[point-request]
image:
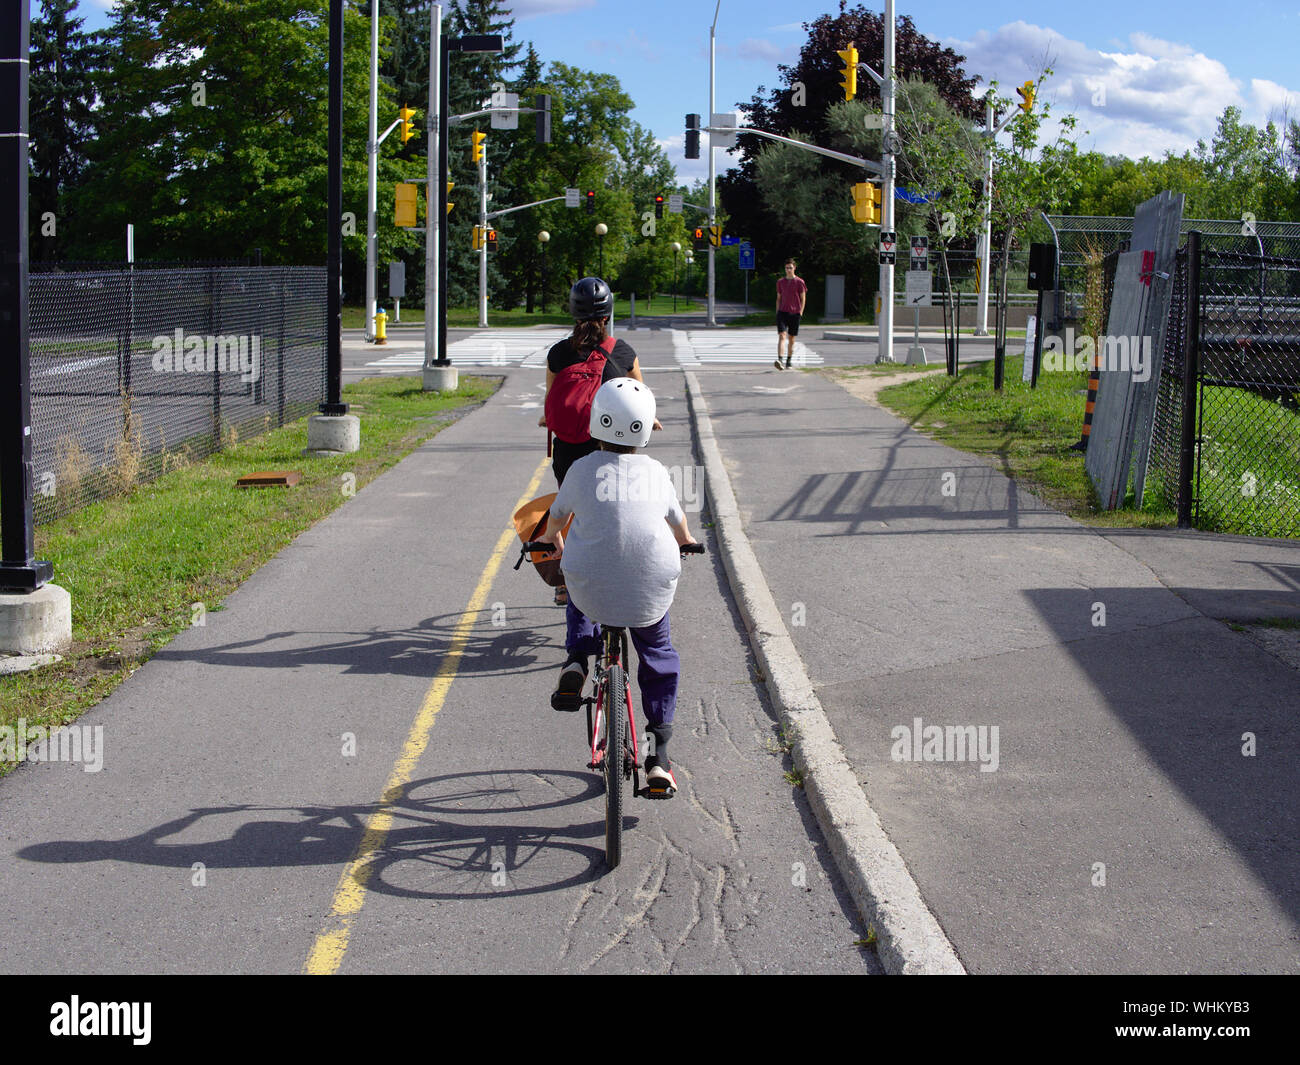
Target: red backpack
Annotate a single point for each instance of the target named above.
(568, 403)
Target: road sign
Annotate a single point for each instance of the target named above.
(886, 258)
(729, 119)
(572, 197)
(730, 240)
(508, 116)
(396, 280)
(918, 288)
(746, 256)
(675, 203)
(888, 243)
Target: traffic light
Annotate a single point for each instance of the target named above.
(659, 206)
(450, 185)
(1026, 92)
(692, 136)
(480, 147)
(491, 240)
(407, 199)
(850, 71)
(476, 238)
(405, 114)
(591, 202)
(715, 236)
(543, 118)
(700, 239)
(866, 203)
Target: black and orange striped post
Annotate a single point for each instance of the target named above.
(1094, 379)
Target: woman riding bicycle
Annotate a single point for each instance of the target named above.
(591, 302)
(621, 560)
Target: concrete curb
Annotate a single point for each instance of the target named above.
(909, 939)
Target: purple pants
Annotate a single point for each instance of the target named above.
(658, 666)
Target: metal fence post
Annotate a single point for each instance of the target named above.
(216, 365)
(279, 349)
(1191, 361)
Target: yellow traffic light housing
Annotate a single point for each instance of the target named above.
(480, 148)
(476, 238)
(850, 71)
(407, 209)
(866, 203)
(1026, 92)
(715, 236)
(450, 185)
(406, 114)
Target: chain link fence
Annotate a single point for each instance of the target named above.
(1226, 437)
(135, 371)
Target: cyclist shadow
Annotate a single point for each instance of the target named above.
(456, 836)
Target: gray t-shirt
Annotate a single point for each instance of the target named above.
(621, 560)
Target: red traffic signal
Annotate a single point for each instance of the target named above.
(659, 206)
(591, 202)
(700, 239)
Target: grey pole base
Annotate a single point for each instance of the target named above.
(36, 623)
(441, 378)
(916, 355)
(333, 434)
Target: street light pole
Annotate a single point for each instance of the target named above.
(885, 343)
(676, 249)
(601, 230)
(986, 230)
(713, 196)
(372, 185)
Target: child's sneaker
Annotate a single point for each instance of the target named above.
(659, 780)
(568, 692)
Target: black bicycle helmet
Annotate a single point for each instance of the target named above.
(591, 298)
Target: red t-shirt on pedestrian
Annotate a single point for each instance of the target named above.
(789, 294)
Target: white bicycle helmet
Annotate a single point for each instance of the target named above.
(623, 412)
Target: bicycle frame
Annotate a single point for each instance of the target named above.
(614, 653)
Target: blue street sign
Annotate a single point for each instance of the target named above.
(746, 256)
(730, 240)
(901, 192)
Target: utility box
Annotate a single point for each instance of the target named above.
(834, 298)
(397, 281)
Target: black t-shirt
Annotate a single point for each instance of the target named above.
(617, 364)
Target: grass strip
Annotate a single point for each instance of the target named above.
(1027, 432)
(144, 565)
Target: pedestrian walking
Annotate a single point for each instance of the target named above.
(791, 298)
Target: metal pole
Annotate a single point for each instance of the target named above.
(1191, 353)
(885, 326)
(19, 570)
(482, 231)
(985, 251)
(372, 154)
(444, 97)
(713, 195)
(334, 404)
(434, 218)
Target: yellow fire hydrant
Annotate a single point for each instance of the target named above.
(381, 321)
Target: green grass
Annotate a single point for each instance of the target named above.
(556, 313)
(134, 564)
(1027, 432)
(1250, 465)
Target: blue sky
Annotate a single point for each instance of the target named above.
(1163, 71)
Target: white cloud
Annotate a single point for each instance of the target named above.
(763, 51)
(1146, 96)
(631, 43)
(104, 5)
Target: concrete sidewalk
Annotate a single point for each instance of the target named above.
(1131, 808)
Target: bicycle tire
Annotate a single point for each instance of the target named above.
(615, 744)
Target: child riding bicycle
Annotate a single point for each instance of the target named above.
(621, 560)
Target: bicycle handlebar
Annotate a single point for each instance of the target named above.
(546, 545)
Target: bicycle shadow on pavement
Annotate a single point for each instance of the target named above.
(489, 650)
(462, 830)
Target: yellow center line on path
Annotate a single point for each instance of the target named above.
(332, 942)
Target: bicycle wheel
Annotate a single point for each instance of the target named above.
(615, 742)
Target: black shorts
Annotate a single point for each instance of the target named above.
(787, 322)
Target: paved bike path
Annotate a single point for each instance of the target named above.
(232, 799)
(1123, 828)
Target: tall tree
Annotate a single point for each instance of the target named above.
(64, 64)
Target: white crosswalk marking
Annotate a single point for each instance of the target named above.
(505, 347)
(754, 346)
